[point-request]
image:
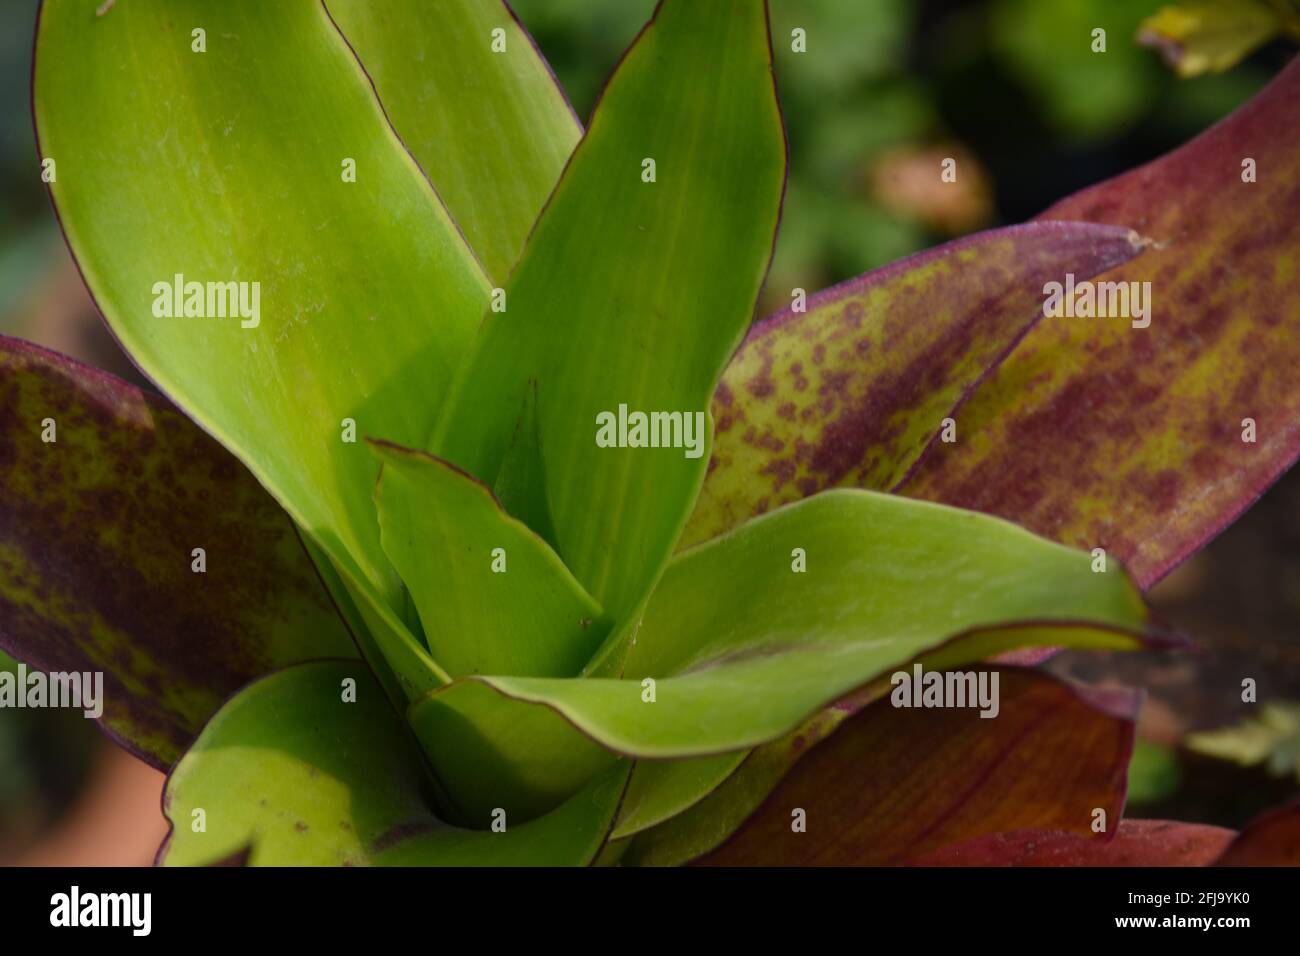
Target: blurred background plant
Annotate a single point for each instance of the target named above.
(883, 92)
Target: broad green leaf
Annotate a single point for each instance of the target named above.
(855, 390)
(1204, 36)
(309, 777)
(1137, 440)
(98, 532)
(891, 783)
(479, 110)
(743, 648)
(631, 294)
(492, 596)
(795, 577)
(231, 165)
(730, 704)
(491, 752)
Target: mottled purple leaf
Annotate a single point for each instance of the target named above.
(98, 529)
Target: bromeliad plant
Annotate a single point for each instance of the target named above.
(571, 652)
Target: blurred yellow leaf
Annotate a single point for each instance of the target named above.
(1201, 36)
(1273, 738)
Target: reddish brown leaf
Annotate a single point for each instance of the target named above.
(97, 530)
(1138, 843)
(1270, 840)
(892, 783)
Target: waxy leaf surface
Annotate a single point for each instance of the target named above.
(1271, 839)
(97, 532)
(634, 293)
(853, 391)
(661, 789)
(309, 777)
(892, 783)
(229, 166)
(480, 111)
(493, 597)
(1099, 434)
(490, 751)
(743, 648)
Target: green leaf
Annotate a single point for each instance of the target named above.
(1099, 434)
(308, 777)
(891, 784)
(743, 648)
(400, 663)
(854, 391)
(662, 789)
(521, 483)
(491, 751)
(492, 596)
(1209, 36)
(98, 529)
(492, 129)
(229, 165)
(634, 293)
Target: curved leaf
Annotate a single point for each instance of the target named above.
(228, 165)
(481, 112)
(490, 751)
(852, 392)
(307, 777)
(743, 648)
(1272, 839)
(662, 789)
(633, 290)
(890, 784)
(1098, 434)
(492, 596)
(97, 535)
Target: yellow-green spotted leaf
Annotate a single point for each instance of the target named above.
(1149, 429)
(134, 545)
(855, 390)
